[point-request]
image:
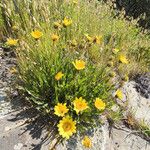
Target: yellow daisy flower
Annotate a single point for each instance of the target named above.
(74, 43)
(12, 42)
(13, 70)
(79, 64)
(125, 78)
(75, 1)
(119, 94)
(89, 38)
(36, 34)
(15, 28)
(59, 75)
(112, 74)
(123, 59)
(97, 39)
(80, 104)
(99, 104)
(57, 25)
(60, 109)
(115, 50)
(66, 127)
(55, 37)
(87, 142)
(67, 22)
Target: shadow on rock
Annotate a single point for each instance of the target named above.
(33, 130)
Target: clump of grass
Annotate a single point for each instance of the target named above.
(1, 24)
(68, 55)
(141, 127)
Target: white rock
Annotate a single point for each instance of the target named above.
(7, 128)
(139, 105)
(18, 146)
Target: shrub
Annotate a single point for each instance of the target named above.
(68, 54)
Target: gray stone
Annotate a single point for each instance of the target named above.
(137, 104)
(125, 139)
(16, 134)
(18, 146)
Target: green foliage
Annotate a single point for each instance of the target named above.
(1, 24)
(1, 21)
(92, 36)
(92, 18)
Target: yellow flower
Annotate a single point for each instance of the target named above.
(66, 127)
(67, 22)
(79, 64)
(13, 70)
(119, 94)
(99, 104)
(97, 39)
(60, 109)
(57, 25)
(11, 42)
(36, 34)
(59, 75)
(125, 78)
(87, 142)
(112, 74)
(123, 59)
(80, 104)
(73, 43)
(115, 50)
(15, 28)
(55, 37)
(75, 1)
(89, 38)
